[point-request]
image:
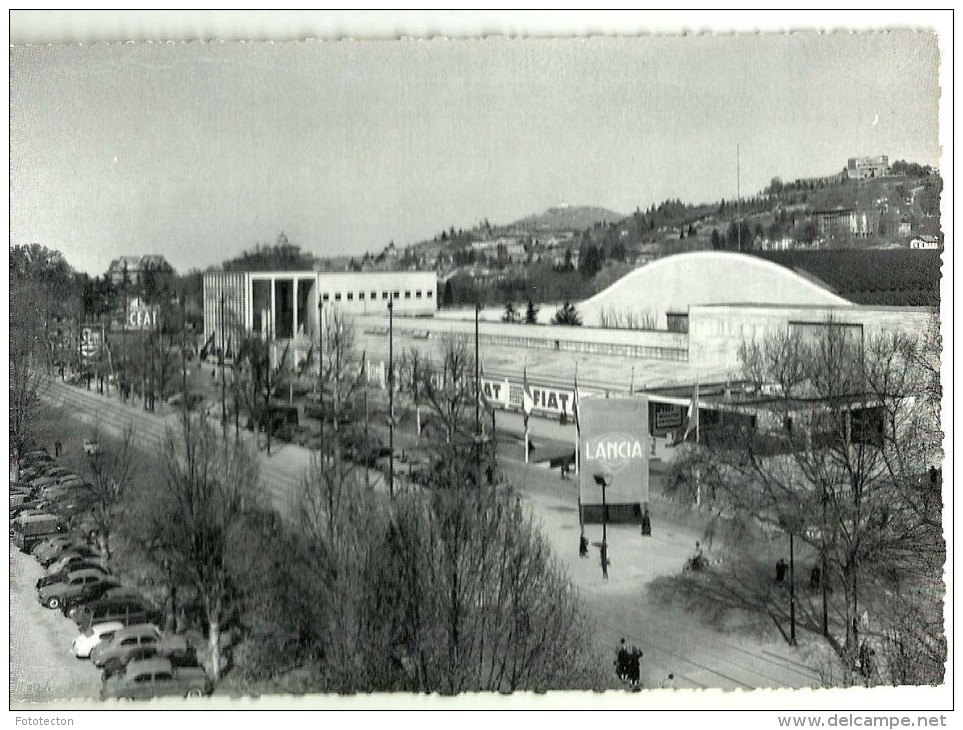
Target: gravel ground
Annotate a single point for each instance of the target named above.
(42, 666)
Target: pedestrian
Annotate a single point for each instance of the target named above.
(814, 577)
(669, 682)
(635, 669)
(622, 661)
(583, 546)
(781, 568)
(646, 524)
(57, 447)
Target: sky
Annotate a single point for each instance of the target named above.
(198, 151)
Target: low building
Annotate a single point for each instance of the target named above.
(846, 223)
(925, 243)
(284, 305)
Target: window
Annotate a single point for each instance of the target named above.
(129, 641)
(407, 295)
(374, 295)
(142, 678)
(325, 296)
(430, 293)
(397, 294)
(418, 294)
(163, 677)
(361, 295)
(148, 639)
(350, 296)
(384, 295)
(337, 296)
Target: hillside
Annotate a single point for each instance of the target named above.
(886, 277)
(568, 217)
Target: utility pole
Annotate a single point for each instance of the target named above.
(184, 365)
(321, 369)
(391, 398)
(223, 382)
(367, 456)
(738, 202)
(792, 591)
(477, 404)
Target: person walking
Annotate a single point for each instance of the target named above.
(814, 577)
(583, 546)
(781, 569)
(635, 668)
(57, 447)
(669, 682)
(622, 661)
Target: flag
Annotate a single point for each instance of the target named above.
(692, 420)
(575, 401)
(482, 399)
(528, 402)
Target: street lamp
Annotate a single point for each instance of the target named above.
(391, 397)
(604, 480)
(792, 524)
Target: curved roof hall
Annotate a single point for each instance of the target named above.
(675, 283)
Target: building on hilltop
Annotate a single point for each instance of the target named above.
(135, 270)
(861, 168)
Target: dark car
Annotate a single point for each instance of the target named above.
(156, 677)
(179, 657)
(128, 611)
(110, 590)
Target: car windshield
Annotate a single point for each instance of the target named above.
(89, 632)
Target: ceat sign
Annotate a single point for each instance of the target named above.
(142, 318)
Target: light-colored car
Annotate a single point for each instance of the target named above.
(75, 582)
(91, 447)
(86, 641)
(127, 640)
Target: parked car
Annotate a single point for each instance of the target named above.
(54, 576)
(178, 658)
(91, 447)
(141, 635)
(73, 584)
(110, 589)
(92, 636)
(81, 551)
(28, 530)
(37, 456)
(128, 611)
(66, 560)
(57, 471)
(156, 677)
(44, 548)
(44, 481)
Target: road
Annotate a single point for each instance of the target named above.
(672, 641)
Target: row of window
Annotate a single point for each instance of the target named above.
(374, 295)
(648, 352)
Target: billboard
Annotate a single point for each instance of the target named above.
(90, 342)
(614, 450)
(142, 318)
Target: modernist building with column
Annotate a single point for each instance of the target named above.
(284, 305)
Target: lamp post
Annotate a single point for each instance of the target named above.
(603, 480)
(223, 382)
(477, 404)
(321, 370)
(391, 398)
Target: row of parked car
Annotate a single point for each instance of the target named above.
(118, 627)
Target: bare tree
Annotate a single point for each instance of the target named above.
(840, 465)
(199, 515)
(27, 364)
(109, 475)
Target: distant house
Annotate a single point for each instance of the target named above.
(905, 227)
(925, 243)
(846, 222)
(861, 168)
(136, 270)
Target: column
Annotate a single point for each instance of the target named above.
(294, 302)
